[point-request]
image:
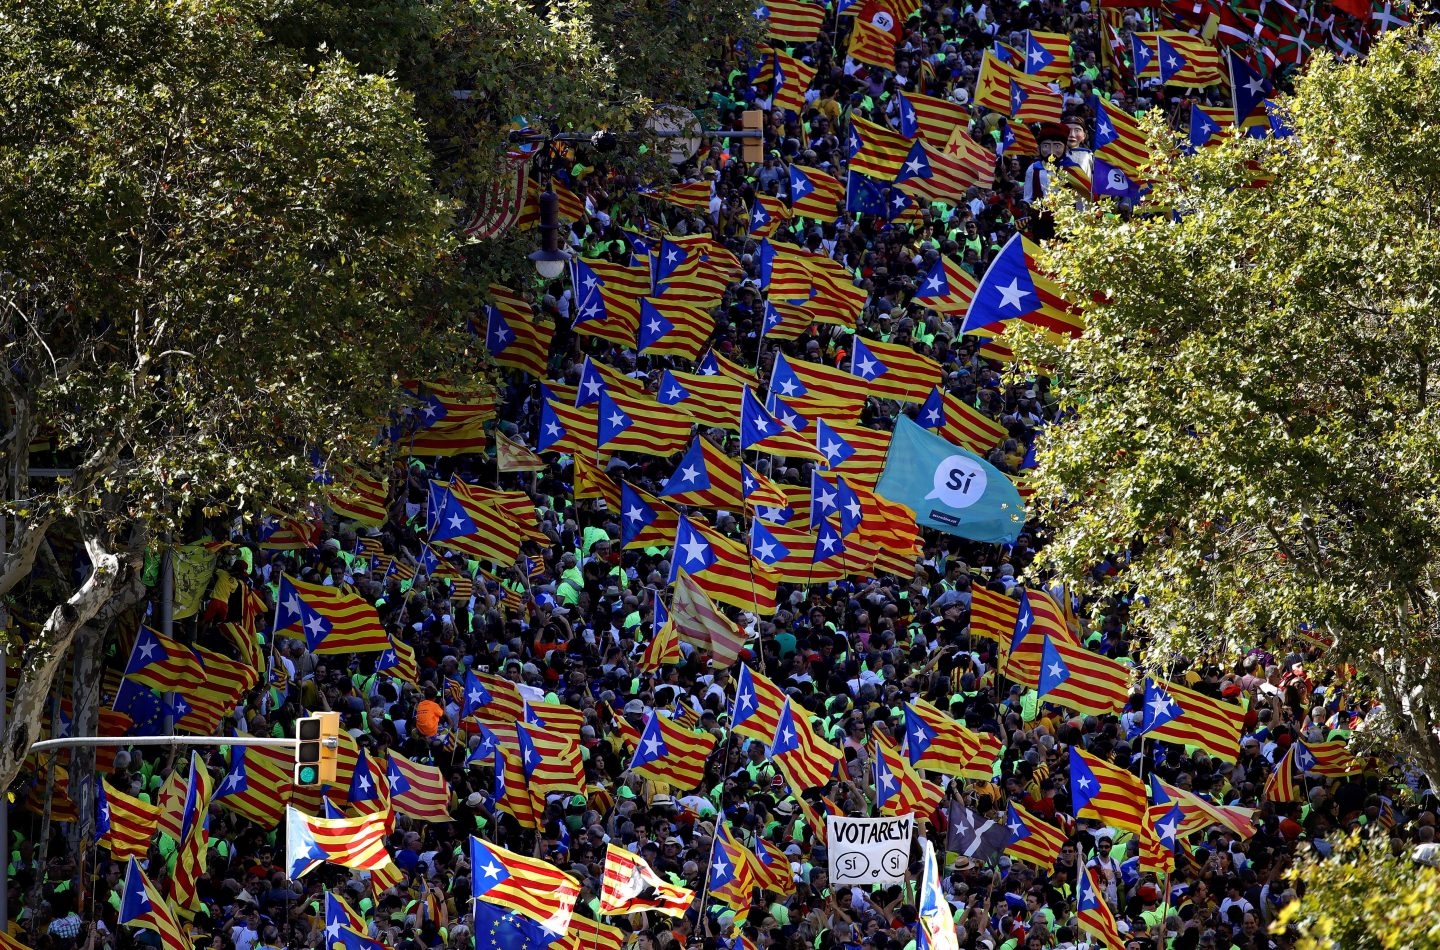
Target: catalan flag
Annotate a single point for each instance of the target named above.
(639, 425)
(899, 789)
(124, 824)
(852, 450)
(874, 150)
(566, 429)
(722, 569)
(670, 754)
(892, 370)
(809, 760)
(280, 533)
(535, 888)
(628, 885)
(790, 553)
(682, 270)
(791, 79)
(1082, 680)
(1093, 914)
(494, 699)
(755, 711)
(360, 498)
(1281, 783)
(700, 622)
(959, 423)
(1014, 289)
(673, 328)
(1037, 617)
(815, 194)
(1176, 57)
(706, 478)
(514, 456)
(587, 934)
(664, 646)
(566, 719)
(1119, 141)
(731, 872)
(1249, 92)
(418, 790)
(1330, 759)
(772, 868)
(712, 401)
(258, 784)
(935, 742)
(760, 491)
(1010, 92)
(141, 905)
(1031, 840)
(992, 615)
(793, 21)
(512, 796)
(357, 843)
(1212, 725)
(1047, 57)
(930, 118)
(783, 321)
(160, 662)
(606, 299)
(467, 521)
(819, 385)
(331, 621)
(645, 520)
(194, 847)
(946, 172)
(1105, 792)
(871, 45)
(549, 759)
(515, 336)
(762, 432)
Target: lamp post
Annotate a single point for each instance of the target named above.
(549, 260)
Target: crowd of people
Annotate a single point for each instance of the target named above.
(570, 620)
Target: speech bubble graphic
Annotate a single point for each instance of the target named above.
(958, 482)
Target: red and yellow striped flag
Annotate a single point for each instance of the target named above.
(549, 759)
(587, 934)
(1082, 680)
(875, 150)
(992, 615)
(330, 620)
(671, 327)
(516, 335)
(667, 753)
(1212, 725)
(258, 785)
(809, 760)
(910, 794)
(720, 568)
(712, 401)
(705, 478)
(418, 790)
(566, 429)
(1105, 792)
(1047, 57)
(935, 742)
(639, 424)
(360, 497)
(1031, 839)
(793, 21)
(629, 885)
(357, 843)
(960, 423)
(1012, 93)
(535, 888)
(892, 370)
(815, 193)
(125, 825)
(871, 45)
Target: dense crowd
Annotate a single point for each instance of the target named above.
(568, 623)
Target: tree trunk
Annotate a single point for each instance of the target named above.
(45, 653)
(1412, 702)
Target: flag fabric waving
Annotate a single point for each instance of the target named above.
(123, 823)
(893, 371)
(629, 885)
(667, 753)
(535, 888)
(332, 621)
(1013, 289)
(418, 790)
(1198, 720)
(1031, 839)
(1105, 792)
(1094, 915)
(141, 905)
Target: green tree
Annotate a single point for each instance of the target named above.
(1365, 897)
(217, 259)
(1255, 396)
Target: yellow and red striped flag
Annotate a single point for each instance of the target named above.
(721, 569)
(282, 533)
(1177, 58)
(1280, 784)
(694, 195)
(1330, 759)
(357, 843)
(418, 790)
(792, 78)
(712, 401)
(1047, 57)
(142, 905)
(673, 328)
(1105, 792)
(793, 21)
(1037, 617)
(549, 759)
(893, 370)
(592, 481)
(705, 477)
(566, 429)
(160, 662)
(535, 888)
(858, 453)
(1031, 839)
(512, 795)
(330, 620)
(566, 719)
(1119, 140)
(875, 150)
(1093, 914)
(766, 433)
(731, 872)
(931, 118)
(587, 934)
(1012, 93)
(645, 520)
(701, 623)
(992, 615)
(570, 207)
(664, 646)
(935, 742)
(500, 702)
(1080, 679)
(946, 172)
(608, 299)
(258, 785)
(361, 497)
(871, 45)
(1212, 725)
(124, 824)
(514, 456)
(799, 382)
(629, 885)
(789, 551)
(755, 711)
(639, 424)
(772, 869)
(516, 335)
(959, 423)
(667, 753)
(171, 800)
(809, 760)
(194, 848)
(814, 193)
(899, 789)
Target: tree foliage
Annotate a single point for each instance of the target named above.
(1256, 392)
(1365, 897)
(217, 260)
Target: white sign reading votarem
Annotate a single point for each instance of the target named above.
(868, 850)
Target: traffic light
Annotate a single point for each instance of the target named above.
(752, 149)
(317, 751)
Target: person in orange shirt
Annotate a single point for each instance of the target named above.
(428, 714)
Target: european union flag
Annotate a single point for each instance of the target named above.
(143, 706)
(950, 489)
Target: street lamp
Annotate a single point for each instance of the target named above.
(549, 260)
